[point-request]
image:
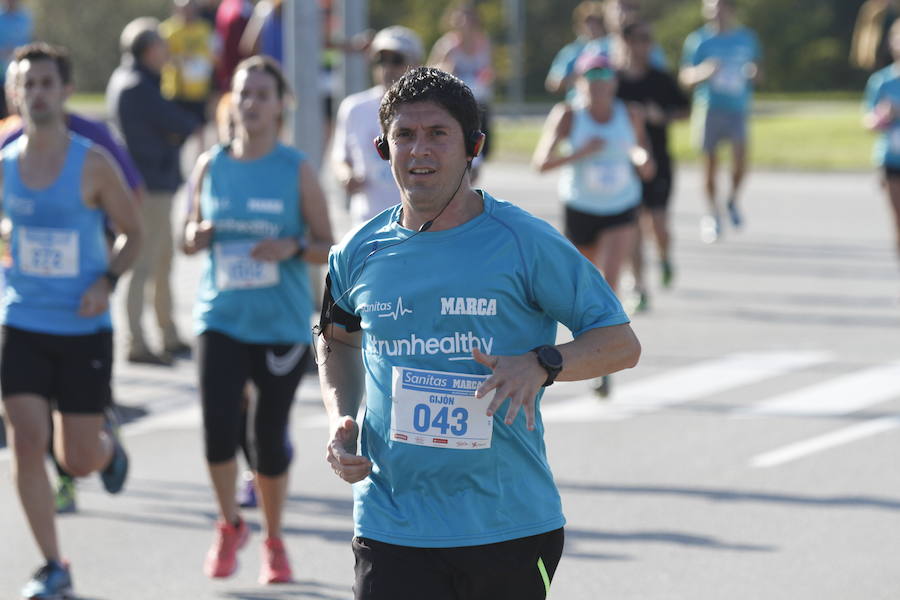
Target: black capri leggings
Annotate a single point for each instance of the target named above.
(275, 369)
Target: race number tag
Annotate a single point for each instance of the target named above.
(729, 80)
(48, 252)
(235, 270)
(439, 409)
(607, 178)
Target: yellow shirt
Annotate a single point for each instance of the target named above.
(188, 75)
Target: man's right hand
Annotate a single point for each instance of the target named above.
(353, 184)
(341, 452)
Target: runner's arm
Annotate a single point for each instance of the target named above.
(342, 381)
(640, 154)
(556, 129)
(118, 202)
(196, 233)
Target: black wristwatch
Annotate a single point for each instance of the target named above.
(552, 361)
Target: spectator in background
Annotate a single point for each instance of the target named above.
(657, 95)
(465, 51)
(154, 129)
(231, 20)
(720, 63)
(363, 175)
(16, 29)
(587, 21)
(187, 76)
(868, 50)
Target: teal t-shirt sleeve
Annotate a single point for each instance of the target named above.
(690, 52)
(338, 272)
(564, 62)
(658, 58)
(568, 288)
(873, 92)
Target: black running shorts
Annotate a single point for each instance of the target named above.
(583, 228)
(519, 569)
(74, 371)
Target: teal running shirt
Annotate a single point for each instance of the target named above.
(885, 85)
(443, 475)
(248, 201)
(57, 249)
(729, 89)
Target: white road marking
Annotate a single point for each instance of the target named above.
(834, 397)
(824, 442)
(682, 385)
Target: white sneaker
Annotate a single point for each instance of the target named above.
(710, 229)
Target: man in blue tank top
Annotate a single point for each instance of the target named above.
(58, 190)
(443, 311)
(720, 63)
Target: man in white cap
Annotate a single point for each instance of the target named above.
(358, 168)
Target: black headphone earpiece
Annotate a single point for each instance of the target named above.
(474, 144)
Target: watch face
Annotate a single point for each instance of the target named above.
(551, 357)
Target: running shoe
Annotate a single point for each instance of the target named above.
(65, 494)
(246, 495)
(275, 567)
(145, 357)
(115, 473)
(710, 229)
(735, 214)
(603, 386)
(178, 349)
(221, 560)
(51, 581)
(667, 273)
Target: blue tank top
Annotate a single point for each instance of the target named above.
(249, 201)
(57, 248)
(604, 183)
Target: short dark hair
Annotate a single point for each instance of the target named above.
(427, 84)
(44, 51)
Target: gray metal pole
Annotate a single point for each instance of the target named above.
(302, 24)
(355, 19)
(515, 18)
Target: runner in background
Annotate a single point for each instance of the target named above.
(587, 21)
(721, 63)
(57, 354)
(882, 106)
(657, 95)
(606, 158)
(260, 215)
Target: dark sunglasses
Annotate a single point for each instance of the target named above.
(390, 59)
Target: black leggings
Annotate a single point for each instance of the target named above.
(275, 369)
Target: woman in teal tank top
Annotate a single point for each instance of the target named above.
(608, 156)
(258, 212)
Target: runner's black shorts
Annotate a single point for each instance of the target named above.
(519, 569)
(891, 172)
(73, 371)
(583, 228)
(657, 191)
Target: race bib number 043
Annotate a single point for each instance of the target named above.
(440, 410)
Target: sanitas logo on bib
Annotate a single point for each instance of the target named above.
(483, 307)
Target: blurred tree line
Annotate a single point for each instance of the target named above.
(806, 42)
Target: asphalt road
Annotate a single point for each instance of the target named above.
(751, 454)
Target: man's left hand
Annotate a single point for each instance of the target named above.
(515, 377)
(274, 250)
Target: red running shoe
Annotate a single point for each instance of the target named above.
(275, 566)
(221, 560)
